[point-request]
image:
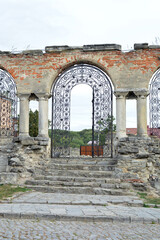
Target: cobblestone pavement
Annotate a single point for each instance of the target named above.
(60, 230)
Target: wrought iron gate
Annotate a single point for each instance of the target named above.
(102, 107)
(155, 105)
(8, 105)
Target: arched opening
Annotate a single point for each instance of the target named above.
(81, 107)
(81, 118)
(8, 105)
(101, 108)
(154, 104)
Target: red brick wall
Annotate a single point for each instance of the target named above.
(37, 72)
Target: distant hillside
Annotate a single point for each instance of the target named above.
(76, 138)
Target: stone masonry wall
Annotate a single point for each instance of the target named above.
(28, 157)
(141, 157)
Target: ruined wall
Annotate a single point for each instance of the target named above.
(139, 160)
(35, 71)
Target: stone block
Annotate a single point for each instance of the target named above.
(154, 46)
(125, 139)
(156, 150)
(101, 47)
(32, 52)
(139, 186)
(7, 178)
(16, 170)
(50, 49)
(133, 150)
(36, 147)
(138, 46)
(28, 141)
(44, 143)
(15, 162)
(16, 139)
(3, 168)
(142, 155)
(149, 164)
(41, 138)
(5, 52)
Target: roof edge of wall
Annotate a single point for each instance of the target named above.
(84, 48)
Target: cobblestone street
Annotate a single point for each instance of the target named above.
(55, 230)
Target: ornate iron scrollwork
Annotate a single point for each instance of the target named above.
(155, 105)
(61, 98)
(8, 105)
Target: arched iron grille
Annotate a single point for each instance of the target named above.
(61, 98)
(155, 105)
(8, 105)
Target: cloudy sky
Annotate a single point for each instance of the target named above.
(34, 24)
(37, 23)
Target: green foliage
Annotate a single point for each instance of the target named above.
(7, 190)
(142, 195)
(33, 123)
(105, 127)
(149, 200)
(73, 138)
(76, 139)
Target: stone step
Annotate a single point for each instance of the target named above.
(81, 161)
(6, 139)
(79, 184)
(81, 173)
(6, 178)
(77, 179)
(81, 167)
(81, 190)
(5, 148)
(3, 159)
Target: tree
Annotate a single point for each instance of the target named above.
(33, 123)
(105, 127)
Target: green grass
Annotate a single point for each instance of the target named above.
(142, 195)
(7, 190)
(148, 199)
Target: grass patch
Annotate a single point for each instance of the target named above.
(149, 199)
(142, 195)
(7, 190)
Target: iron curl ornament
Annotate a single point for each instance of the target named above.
(154, 104)
(61, 100)
(8, 105)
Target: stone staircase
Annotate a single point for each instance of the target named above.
(81, 176)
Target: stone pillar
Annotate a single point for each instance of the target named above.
(120, 114)
(24, 115)
(142, 113)
(43, 115)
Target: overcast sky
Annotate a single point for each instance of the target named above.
(34, 24)
(37, 23)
